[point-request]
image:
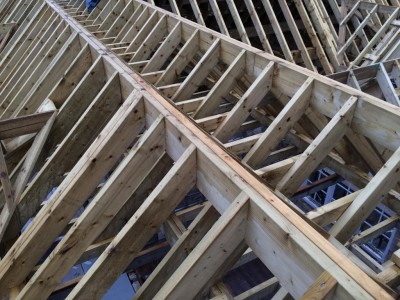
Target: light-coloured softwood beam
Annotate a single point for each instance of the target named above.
(296, 34)
(181, 60)
(162, 54)
(199, 73)
(271, 225)
(243, 108)
(126, 13)
(322, 288)
(133, 25)
(290, 114)
(16, 48)
(91, 93)
(329, 213)
(173, 228)
(152, 41)
(218, 17)
(32, 156)
(324, 28)
(386, 85)
(32, 96)
(258, 25)
(375, 230)
(344, 17)
(368, 199)
(107, 149)
(318, 149)
(24, 174)
(174, 7)
(282, 294)
(278, 30)
(197, 13)
(375, 39)
(238, 21)
(149, 217)
(189, 239)
(144, 32)
(326, 64)
(14, 73)
(263, 290)
(111, 198)
(357, 31)
(7, 190)
(209, 255)
(220, 292)
(221, 87)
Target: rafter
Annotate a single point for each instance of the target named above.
(149, 106)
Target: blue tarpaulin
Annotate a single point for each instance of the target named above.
(90, 4)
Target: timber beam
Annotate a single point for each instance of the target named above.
(132, 91)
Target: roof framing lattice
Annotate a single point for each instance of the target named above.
(151, 106)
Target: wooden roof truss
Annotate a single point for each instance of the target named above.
(382, 45)
(326, 34)
(381, 80)
(249, 20)
(150, 106)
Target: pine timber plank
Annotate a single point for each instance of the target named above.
(216, 246)
(221, 88)
(253, 96)
(280, 126)
(149, 216)
(111, 147)
(330, 110)
(323, 288)
(382, 182)
(82, 234)
(23, 125)
(69, 128)
(25, 173)
(319, 148)
(189, 239)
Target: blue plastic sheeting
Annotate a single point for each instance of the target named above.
(90, 4)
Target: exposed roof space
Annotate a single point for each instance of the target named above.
(143, 150)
